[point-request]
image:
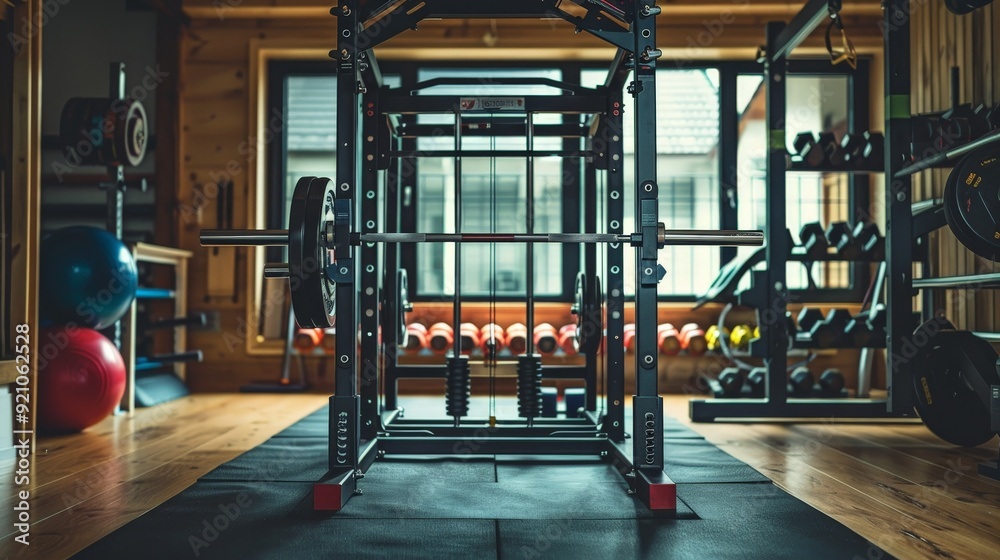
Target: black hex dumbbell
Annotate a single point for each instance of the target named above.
(813, 239)
(832, 383)
(802, 142)
(840, 236)
(731, 382)
(808, 318)
(852, 146)
(830, 331)
(867, 329)
(801, 382)
(873, 152)
(819, 154)
(868, 241)
(757, 382)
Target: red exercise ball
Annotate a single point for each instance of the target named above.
(81, 378)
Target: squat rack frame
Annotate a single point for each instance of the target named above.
(359, 430)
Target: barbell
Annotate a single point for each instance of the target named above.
(311, 238)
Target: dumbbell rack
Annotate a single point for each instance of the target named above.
(769, 291)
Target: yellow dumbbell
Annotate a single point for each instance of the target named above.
(713, 335)
(740, 337)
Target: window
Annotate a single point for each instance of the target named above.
(690, 157)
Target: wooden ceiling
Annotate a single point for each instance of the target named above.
(688, 28)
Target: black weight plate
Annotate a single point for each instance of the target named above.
(972, 201)
(948, 370)
(589, 318)
(313, 293)
(579, 309)
(402, 302)
(130, 135)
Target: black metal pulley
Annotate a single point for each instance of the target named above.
(952, 375)
(314, 294)
(972, 201)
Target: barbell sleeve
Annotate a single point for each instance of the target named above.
(243, 237)
(277, 270)
(723, 238)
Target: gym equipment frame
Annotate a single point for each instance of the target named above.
(336, 277)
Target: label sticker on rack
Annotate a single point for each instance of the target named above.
(492, 104)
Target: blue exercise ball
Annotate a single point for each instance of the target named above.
(86, 277)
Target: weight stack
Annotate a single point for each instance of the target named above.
(529, 386)
(458, 386)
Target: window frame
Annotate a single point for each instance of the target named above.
(859, 195)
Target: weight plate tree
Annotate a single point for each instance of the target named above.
(972, 201)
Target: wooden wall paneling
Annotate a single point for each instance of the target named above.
(213, 80)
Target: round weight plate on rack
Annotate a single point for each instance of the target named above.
(402, 306)
(951, 379)
(313, 293)
(130, 134)
(972, 201)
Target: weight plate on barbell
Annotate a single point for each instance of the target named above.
(972, 201)
(588, 308)
(402, 303)
(314, 295)
(951, 378)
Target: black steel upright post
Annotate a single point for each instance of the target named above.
(898, 200)
(613, 137)
(115, 194)
(369, 292)
(647, 451)
(345, 409)
(588, 203)
(729, 133)
(775, 332)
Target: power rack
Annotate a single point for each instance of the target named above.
(337, 277)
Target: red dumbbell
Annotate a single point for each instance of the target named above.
(517, 338)
(668, 340)
(546, 339)
(567, 338)
(491, 340)
(440, 337)
(306, 340)
(692, 339)
(416, 338)
(469, 334)
(629, 337)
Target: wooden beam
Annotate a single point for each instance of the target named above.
(26, 175)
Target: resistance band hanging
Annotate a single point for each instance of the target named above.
(846, 52)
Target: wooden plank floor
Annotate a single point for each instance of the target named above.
(896, 485)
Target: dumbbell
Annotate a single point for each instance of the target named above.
(713, 337)
(692, 339)
(306, 340)
(818, 154)
(873, 152)
(667, 340)
(813, 239)
(802, 142)
(868, 328)
(840, 236)
(925, 130)
(808, 317)
(831, 330)
(469, 334)
(731, 382)
(416, 338)
(550, 402)
(629, 337)
(867, 241)
(831, 383)
(517, 338)
(546, 339)
(757, 382)
(801, 382)
(576, 400)
(740, 337)
(852, 147)
(441, 337)
(491, 340)
(567, 338)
